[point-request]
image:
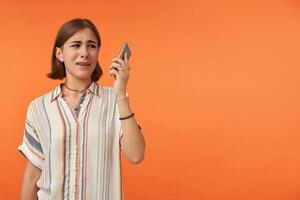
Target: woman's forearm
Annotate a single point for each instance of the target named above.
(133, 143)
(29, 187)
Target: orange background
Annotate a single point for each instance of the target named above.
(214, 84)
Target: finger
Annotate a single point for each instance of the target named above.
(118, 67)
(122, 62)
(113, 73)
(115, 66)
(119, 60)
(117, 71)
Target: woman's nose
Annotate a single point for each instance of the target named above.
(84, 52)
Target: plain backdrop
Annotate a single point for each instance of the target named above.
(214, 84)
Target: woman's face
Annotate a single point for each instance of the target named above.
(79, 54)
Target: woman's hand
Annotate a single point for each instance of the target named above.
(120, 70)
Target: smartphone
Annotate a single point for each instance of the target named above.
(125, 49)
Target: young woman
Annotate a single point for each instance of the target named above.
(74, 135)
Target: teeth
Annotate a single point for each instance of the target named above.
(84, 64)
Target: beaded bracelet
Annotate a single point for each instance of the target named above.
(122, 118)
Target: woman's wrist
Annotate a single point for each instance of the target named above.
(121, 97)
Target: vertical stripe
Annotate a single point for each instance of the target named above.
(77, 159)
(85, 142)
(71, 149)
(50, 142)
(99, 153)
(104, 153)
(63, 149)
(67, 150)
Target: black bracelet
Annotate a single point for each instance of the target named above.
(140, 127)
(122, 118)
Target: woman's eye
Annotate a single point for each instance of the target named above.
(75, 45)
(92, 46)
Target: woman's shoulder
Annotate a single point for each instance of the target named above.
(42, 99)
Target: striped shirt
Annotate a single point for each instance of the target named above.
(78, 152)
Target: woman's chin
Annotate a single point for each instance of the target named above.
(83, 76)
(80, 74)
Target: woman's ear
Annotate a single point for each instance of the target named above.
(59, 54)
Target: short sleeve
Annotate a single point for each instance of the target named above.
(31, 147)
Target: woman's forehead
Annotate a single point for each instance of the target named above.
(83, 35)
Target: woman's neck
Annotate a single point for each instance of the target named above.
(78, 84)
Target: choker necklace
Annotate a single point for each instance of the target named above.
(80, 91)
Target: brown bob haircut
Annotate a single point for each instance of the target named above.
(67, 30)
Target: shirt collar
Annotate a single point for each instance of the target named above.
(94, 88)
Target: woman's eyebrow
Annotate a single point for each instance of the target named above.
(92, 41)
(75, 41)
(78, 41)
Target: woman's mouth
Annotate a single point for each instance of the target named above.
(85, 64)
